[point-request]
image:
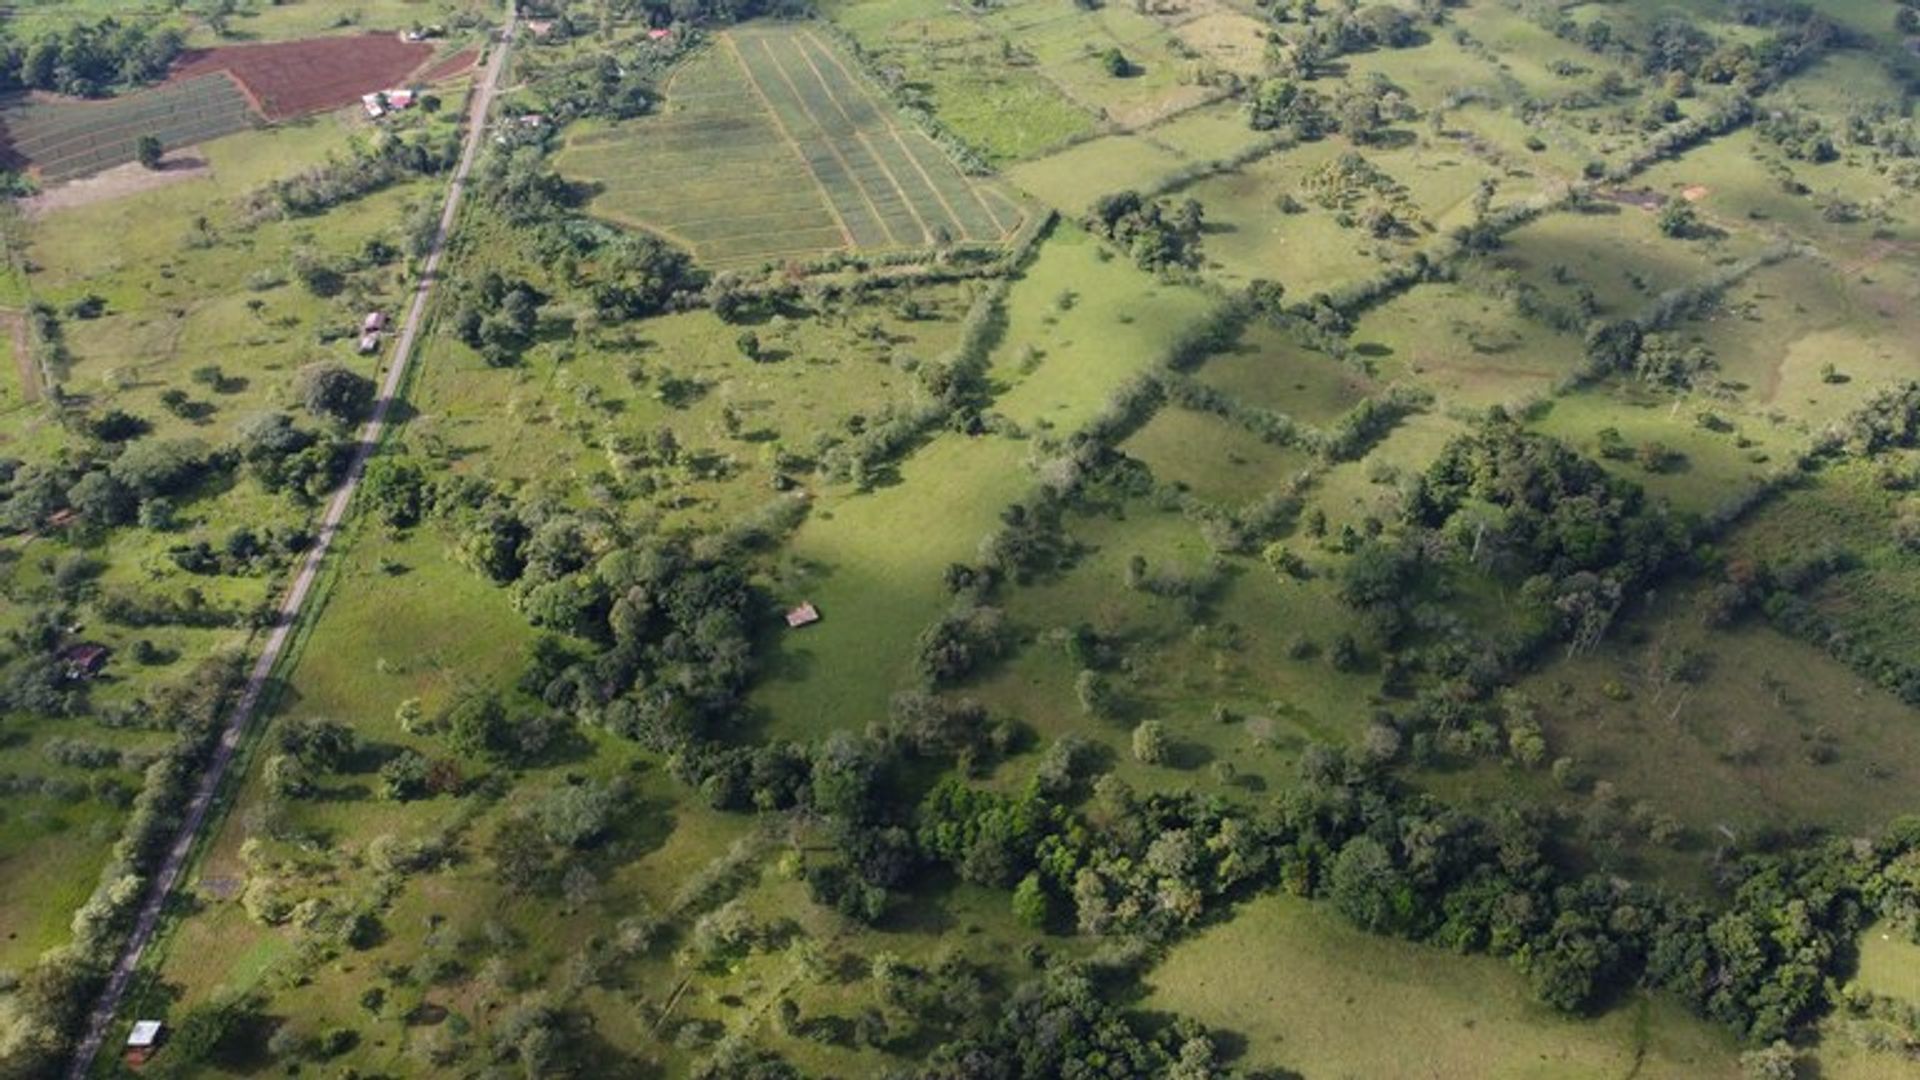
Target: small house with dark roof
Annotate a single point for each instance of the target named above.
(85, 659)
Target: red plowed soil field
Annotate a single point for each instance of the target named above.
(457, 64)
(291, 78)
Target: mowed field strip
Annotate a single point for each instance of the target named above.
(770, 148)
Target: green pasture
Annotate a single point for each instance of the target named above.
(174, 269)
(1254, 644)
(587, 406)
(1771, 735)
(310, 18)
(993, 100)
(1208, 133)
(1222, 34)
(250, 22)
(1065, 43)
(1776, 333)
(1080, 323)
(1072, 179)
(1270, 370)
(1738, 172)
(872, 565)
(1214, 458)
(1615, 251)
(1248, 236)
(1877, 601)
(1312, 994)
(1467, 346)
(1351, 491)
(1712, 466)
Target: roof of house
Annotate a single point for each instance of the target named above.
(144, 1033)
(63, 517)
(369, 341)
(374, 320)
(804, 614)
(87, 652)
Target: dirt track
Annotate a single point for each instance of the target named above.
(114, 183)
(167, 875)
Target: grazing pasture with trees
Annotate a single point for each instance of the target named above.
(1020, 538)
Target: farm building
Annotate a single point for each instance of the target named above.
(143, 1040)
(375, 322)
(84, 660)
(804, 615)
(659, 35)
(62, 518)
(369, 342)
(382, 102)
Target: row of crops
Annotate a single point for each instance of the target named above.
(68, 139)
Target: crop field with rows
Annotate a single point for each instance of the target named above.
(771, 149)
(66, 139)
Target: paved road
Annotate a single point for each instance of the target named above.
(288, 616)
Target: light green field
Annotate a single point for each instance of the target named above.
(1270, 370)
(1714, 468)
(1876, 601)
(1178, 667)
(1250, 237)
(1215, 459)
(1465, 346)
(1059, 364)
(306, 18)
(1120, 162)
(1778, 330)
(1207, 133)
(567, 409)
(772, 148)
(1302, 986)
(1066, 42)
(1730, 754)
(872, 564)
(1003, 107)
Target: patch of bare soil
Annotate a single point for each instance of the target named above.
(114, 183)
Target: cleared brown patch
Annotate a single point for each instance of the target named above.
(1695, 192)
(291, 78)
(458, 64)
(114, 183)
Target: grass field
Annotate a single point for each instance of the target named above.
(771, 148)
(67, 139)
(1300, 985)
(1183, 584)
(998, 103)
